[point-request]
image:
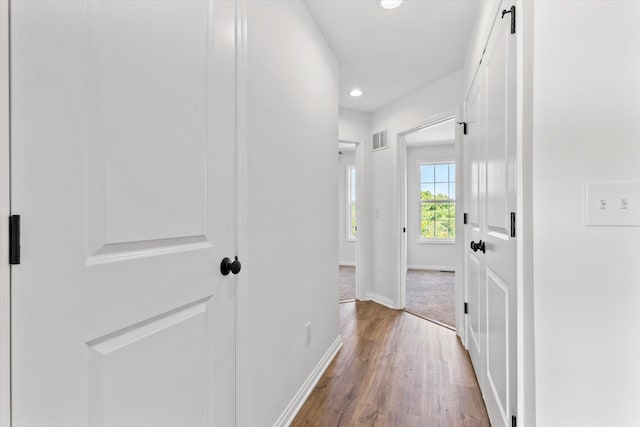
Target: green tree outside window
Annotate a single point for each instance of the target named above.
(438, 201)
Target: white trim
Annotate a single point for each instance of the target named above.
(423, 241)
(242, 237)
(525, 339)
(461, 284)
(5, 211)
(303, 393)
(379, 299)
(347, 263)
(432, 267)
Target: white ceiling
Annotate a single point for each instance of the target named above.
(391, 53)
(442, 133)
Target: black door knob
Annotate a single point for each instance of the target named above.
(480, 246)
(227, 266)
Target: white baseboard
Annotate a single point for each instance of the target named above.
(347, 263)
(432, 267)
(381, 300)
(301, 396)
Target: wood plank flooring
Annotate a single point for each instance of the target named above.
(395, 369)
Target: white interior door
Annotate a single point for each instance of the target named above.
(474, 167)
(123, 171)
(491, 264)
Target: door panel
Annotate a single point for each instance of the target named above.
(492, 141)
(123, 118)
(166, 116)
(474, 301)
(497, 340)
(496, 142)
(134, 366)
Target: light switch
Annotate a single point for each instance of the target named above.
(613, 203)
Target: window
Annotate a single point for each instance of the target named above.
(351, 203)
(438, 201)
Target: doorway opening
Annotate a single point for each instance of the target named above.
(348, 220)
(428, 250)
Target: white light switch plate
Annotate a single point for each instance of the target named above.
(613, 203)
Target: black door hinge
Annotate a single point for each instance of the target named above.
(466, 308)
(464, 127)
(512, 11)
(14, 239)
(404, 229)
(513, 224)
(513, 421)
(465, 218)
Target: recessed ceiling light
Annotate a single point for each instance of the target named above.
(390, 4)
(355, 92)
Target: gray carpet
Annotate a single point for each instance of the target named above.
(347, 282)
(431, 294)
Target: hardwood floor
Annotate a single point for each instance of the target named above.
(395, 369)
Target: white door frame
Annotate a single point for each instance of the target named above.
(525, 343)
(401, 214)
(461, 283)
(360, 215)
(5, 211)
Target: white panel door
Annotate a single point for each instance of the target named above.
(123, 171)
(474, 166)
(491, 247)
(499, 276)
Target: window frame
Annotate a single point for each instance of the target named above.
(434, 240)
(350, 237)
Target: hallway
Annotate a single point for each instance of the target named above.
(395, 369)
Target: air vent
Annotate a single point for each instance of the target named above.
(380, 141)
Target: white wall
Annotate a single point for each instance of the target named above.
(354, 125)
(420, 254)
(292, 252)
(346, 248)
(407, 113)
(586, 279)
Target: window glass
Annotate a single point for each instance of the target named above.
(438, 201)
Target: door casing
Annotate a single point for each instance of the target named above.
(360, 216)
(402, 212)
